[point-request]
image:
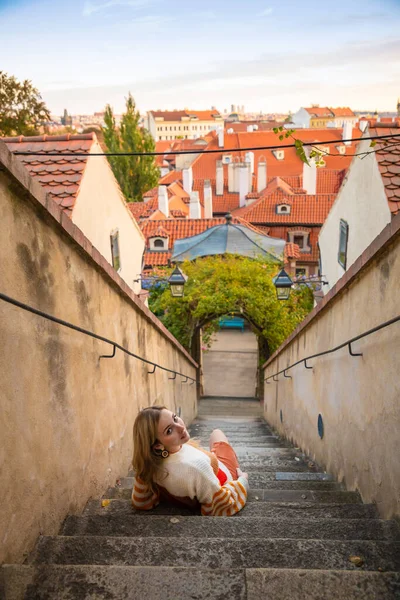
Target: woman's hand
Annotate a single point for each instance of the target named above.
(241, 474)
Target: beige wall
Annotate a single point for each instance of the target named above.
(66, 416)
(100, 209)
(358, 397)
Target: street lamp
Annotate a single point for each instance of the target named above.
(176, 282)
(283, 285)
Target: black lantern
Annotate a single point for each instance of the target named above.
(176, 282)
(283, 285)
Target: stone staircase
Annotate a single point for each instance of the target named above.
(301, 536)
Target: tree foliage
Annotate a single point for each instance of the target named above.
(230, 285)
(135, 174)
(21, 107)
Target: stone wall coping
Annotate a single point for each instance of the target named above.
(41, 199)
(377, 246)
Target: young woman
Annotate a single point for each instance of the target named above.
(170, 467)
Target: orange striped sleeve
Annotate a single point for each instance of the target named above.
(227, 501)
(142, 497)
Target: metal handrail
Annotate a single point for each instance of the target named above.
(93, 335)
(348, 343)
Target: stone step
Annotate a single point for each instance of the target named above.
(89, 582)
(260, 480)
(272, 469)
(297, 584)
(268, 495)
(246, 527)
(216, 552)
(276, 510)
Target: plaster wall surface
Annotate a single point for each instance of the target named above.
(362, 203)
(66, 415)
(358, 397)
(101, 210)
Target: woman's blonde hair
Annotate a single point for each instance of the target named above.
(145, 462)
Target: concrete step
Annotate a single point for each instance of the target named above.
(268, 495)
(246, 527)
(276, 510)
(216, 552)
(261, 481)
(89, 582)
(297, 584)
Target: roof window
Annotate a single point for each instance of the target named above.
(283, 209)
(279, 154)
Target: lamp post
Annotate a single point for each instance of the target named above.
(284, 283)
(177, 282)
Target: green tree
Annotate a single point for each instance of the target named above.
(21, 108)
(135, 174)
(230, 285)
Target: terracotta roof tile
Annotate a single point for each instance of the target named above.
(388, 157)
(60, 176)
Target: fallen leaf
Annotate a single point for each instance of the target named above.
(105, 503)
(255, 497)
(304, 496)
(297, 458)
(174, 520)
(356, 560)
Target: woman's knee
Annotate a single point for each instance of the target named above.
(217, 436)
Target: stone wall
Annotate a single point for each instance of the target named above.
(358, 397)
(66, 415)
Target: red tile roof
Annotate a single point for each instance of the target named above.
(60, 176)
(344, 111)
(242, 126)
(176, 115)
(204, 166)
(319, 111)
(388, 158)
(305, 209)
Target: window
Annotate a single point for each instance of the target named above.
(158, 244)
(299, 240)
(343, 239)
(282, 209)
(301, 272)
(115, 255)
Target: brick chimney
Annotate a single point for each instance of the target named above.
(208, 203)
(219, 178)
(187, 175)
(163, 201)
(262, 176)
(194, 206)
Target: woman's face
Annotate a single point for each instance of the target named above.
(172, 432)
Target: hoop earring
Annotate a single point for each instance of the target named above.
(165, 453)
(161, 453)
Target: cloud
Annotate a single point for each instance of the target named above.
(90, 8)
(266, 12)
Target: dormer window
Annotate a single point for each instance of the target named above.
(283, 209)
(226, 159)
(158, 244)
(279, 154)
(341, 149)
(301, 238)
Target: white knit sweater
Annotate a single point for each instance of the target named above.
(188, 473)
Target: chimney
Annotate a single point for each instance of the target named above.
(187, 175)
(219, 178)
(163, 201)
(347, 132)
(208, 203)
(363, 124)
(231, 177)
(250, 159)
(249, 128)
(164, 171)
(262, 176)
(243, 183)
(310, 177)
(220, 137)
(194, 206)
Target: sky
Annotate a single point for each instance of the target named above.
(268, 55)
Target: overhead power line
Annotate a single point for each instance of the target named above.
(215, 151)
